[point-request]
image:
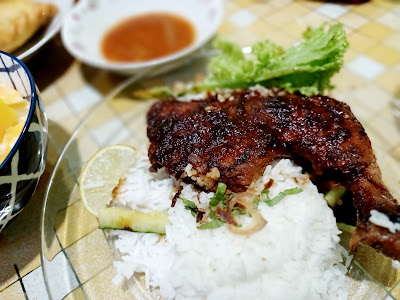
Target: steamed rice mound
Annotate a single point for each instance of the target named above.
(295, 256)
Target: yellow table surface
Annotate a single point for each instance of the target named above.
(69, 88)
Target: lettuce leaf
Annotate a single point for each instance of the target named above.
(306, 67)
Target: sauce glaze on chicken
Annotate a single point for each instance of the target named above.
(241, 132)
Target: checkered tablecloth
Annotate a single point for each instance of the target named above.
(369, 83)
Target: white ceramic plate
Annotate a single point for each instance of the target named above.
(85, 26)
(48, 32)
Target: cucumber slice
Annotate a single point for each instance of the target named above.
(334, 195)
(122, 218)
(345, 227)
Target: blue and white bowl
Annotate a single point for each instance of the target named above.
(22, 168)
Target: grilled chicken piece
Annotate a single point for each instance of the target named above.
(377, 237)
(241, 133)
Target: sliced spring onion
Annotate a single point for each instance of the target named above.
(219, 194)
(188, 203)
(271, 202)
(215, 223)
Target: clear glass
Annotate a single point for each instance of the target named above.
(77, 257)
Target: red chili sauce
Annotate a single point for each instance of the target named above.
(148, 36)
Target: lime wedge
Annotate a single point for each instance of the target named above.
(101, 174)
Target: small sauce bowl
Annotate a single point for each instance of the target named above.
(88, 22)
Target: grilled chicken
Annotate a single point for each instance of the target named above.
(232, 137)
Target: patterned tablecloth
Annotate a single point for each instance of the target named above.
(369, 82)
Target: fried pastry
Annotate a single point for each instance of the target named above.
(20, 20)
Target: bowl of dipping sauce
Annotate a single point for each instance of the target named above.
(129, 36)
(23, 137)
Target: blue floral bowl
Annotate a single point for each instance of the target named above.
(22, 168)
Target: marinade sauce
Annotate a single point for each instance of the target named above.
(146, 37)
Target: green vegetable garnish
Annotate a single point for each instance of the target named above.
(256, 201)
(334, 195)
(306, 67)
(215, 223)
(219, 194)
(237, 211)
(188, 203)
(211, 215)
(271, 202)
(264, 196)
(156, 92)
(345, 227)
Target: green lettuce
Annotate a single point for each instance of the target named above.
(306, 67)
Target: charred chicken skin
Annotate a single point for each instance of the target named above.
(240, 133)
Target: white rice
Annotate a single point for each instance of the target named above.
(383, 220)
(295, 256)
(145, 191)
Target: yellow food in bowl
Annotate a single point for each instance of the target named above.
(13, 113)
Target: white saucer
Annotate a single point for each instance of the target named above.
(86, 24)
